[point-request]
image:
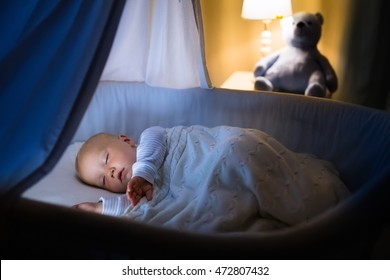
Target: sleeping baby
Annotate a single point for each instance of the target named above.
(220, 179)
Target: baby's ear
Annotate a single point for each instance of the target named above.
(127, 140)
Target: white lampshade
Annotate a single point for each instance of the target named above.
(266, 9)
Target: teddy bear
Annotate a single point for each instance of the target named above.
(298, 67)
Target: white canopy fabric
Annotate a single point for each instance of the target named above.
(157, 42)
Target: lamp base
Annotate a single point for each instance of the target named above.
(266, 39)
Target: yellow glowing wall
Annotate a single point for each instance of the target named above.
(233, 43)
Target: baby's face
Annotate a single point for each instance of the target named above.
(107, 163)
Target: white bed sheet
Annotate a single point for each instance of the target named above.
(61, 186)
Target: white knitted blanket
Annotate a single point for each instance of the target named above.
(228, 179)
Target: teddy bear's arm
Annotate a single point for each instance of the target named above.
(265, 63)
(329, 73)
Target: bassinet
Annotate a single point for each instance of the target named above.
(354, 138)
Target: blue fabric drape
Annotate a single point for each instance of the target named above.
(52, 53)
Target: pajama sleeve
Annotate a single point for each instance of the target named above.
(150, 153)
(114, 206)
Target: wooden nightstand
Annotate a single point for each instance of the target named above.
(243, 80)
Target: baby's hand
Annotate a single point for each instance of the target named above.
(137, 188)
(95, 207)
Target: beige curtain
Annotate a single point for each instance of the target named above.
(367, 55)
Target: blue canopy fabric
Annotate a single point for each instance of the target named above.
(52, 53)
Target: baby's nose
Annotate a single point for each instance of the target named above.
(111, 172)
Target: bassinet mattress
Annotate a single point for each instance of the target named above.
(61, 186)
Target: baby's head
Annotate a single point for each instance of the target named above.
(105, 161)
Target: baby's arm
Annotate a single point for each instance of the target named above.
(150, 153)
(95, 207)
(112, 206)
(150, 157)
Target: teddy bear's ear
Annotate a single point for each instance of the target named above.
(320, 18)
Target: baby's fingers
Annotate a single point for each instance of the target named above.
(134, 188)
(134, 198)
(149, 194)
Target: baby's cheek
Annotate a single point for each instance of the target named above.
(118, 188)
(129, 174)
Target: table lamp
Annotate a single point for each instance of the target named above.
(266, 10)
